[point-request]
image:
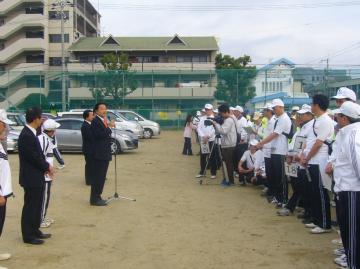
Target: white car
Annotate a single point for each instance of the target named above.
(121, 123)
(151, 128)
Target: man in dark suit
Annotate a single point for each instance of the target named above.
(33, 168)
(101, 132)
(87, 141)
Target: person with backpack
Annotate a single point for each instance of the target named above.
(279, 148)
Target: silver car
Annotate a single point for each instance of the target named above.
(151, 128)
(69, 137)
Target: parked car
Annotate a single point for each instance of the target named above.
(70, 139)
(121, 123)
(151, 128)
(18, 119)
(12, 139)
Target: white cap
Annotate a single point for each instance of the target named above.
(50, 125)
(295, 108)
(216, 111)
(253, 142)
(209, 106)
(305, 109)
(350, 109)
(232, 108)
(268, 106)
(345, 93)
(335, 111)
(257, 115)
(277, 102)
(4, 118)
(239, 108)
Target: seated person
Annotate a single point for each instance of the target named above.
(249, 168)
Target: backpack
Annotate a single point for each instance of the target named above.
(289, 135)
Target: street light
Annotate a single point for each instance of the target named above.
(59, 6)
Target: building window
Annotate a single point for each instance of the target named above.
(34, 10)
(34, 34)
(199, 59)
(56, 38)
(183, 59)
(56, 61)
(54, 15)
(38, 58)
(35, 82)
(281, 86)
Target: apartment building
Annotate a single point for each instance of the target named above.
(171, 72)
(30, 43)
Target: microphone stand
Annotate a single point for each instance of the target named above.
(116, 195)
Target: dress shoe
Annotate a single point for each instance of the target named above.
(34, 241)
(5, 256)
(99, 203)
(43, 236)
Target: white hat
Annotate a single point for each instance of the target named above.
(295, 108)
(239, 108)
(232, 108)
(216, 111)
(350, 109)
(257, 115)
(253, 142)
(209, 106)
(50, 125)
(305, 109)
(345, 93)
(4, 118)
(268, 106)
(335, 111)
(277, 102)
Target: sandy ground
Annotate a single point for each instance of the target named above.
(175, 222)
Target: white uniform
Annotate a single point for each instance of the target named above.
(48, 150)
(347, 163)
(205, 131)
(279, 145)
(5, 174)
(269, 129)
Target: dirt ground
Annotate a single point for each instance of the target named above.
(175, 222)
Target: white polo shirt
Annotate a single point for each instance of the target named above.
(249, 159)
(205, 131)
(279, 145)
(269, 129)
(347, 164)
(322, 129)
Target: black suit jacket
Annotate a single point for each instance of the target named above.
(87, 139)
(102, 140)
(32, 160)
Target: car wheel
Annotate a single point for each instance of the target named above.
(148, 133)
(115, 147)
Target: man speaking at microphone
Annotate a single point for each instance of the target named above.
(101, 132)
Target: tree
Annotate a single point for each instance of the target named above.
(116, 81)
(234, 79)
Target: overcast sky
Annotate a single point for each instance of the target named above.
(258, 28)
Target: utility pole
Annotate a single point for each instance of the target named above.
(266, 86)
(60, 5)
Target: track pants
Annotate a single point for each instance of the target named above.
(349, 203)
(279, 178)
(320, 202)
(46, 199)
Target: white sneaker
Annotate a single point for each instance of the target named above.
(310, 225)
(341, 261)
(274, 201)
(339, 251)
(5, 256)
(199, 176)
(337, 242)
(319, 230)
(284, 212)
(51, 221)
(60, 167)
(45, 224)
(213, 177)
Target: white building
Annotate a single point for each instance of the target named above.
(276, 80)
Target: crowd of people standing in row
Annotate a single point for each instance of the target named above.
(314, 149)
